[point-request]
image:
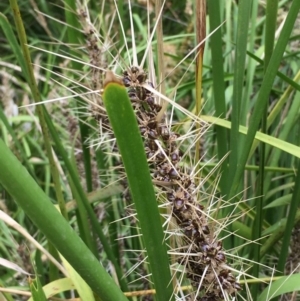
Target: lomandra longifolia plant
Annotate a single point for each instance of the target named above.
(206, 238)
(197, 249)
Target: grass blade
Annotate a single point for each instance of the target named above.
(124, 124)
(40, 210)
(238, 82)
(290, 225)
(37, 290)
(280, 144)
(218, 88)
(82, 199)
(271, 18)
(264, 92)
(284, 285)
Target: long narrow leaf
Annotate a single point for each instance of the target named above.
(264, 91)
(219, 88)
(83, 200)
(284, 285)
(124, 124)
(280, 144)
(239, 70)
(40, 210)
(295, 202)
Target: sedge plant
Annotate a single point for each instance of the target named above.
(148, 140)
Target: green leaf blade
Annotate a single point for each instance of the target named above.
(125, 127)
(282, 286)
(36, 204)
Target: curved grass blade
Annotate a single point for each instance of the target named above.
(83, 290)
(278, 143)
(82, 200)
(125, 127)
(36, 289)
(284, 285)
(35, 203)
(56, 287)
(279, 74)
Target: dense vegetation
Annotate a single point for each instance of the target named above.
(83, 214)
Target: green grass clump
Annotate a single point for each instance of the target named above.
(61, 168)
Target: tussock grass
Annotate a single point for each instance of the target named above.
(240, 151)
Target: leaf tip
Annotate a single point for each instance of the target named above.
(111, 78)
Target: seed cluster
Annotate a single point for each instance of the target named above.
(98, 63)
(204, 258)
